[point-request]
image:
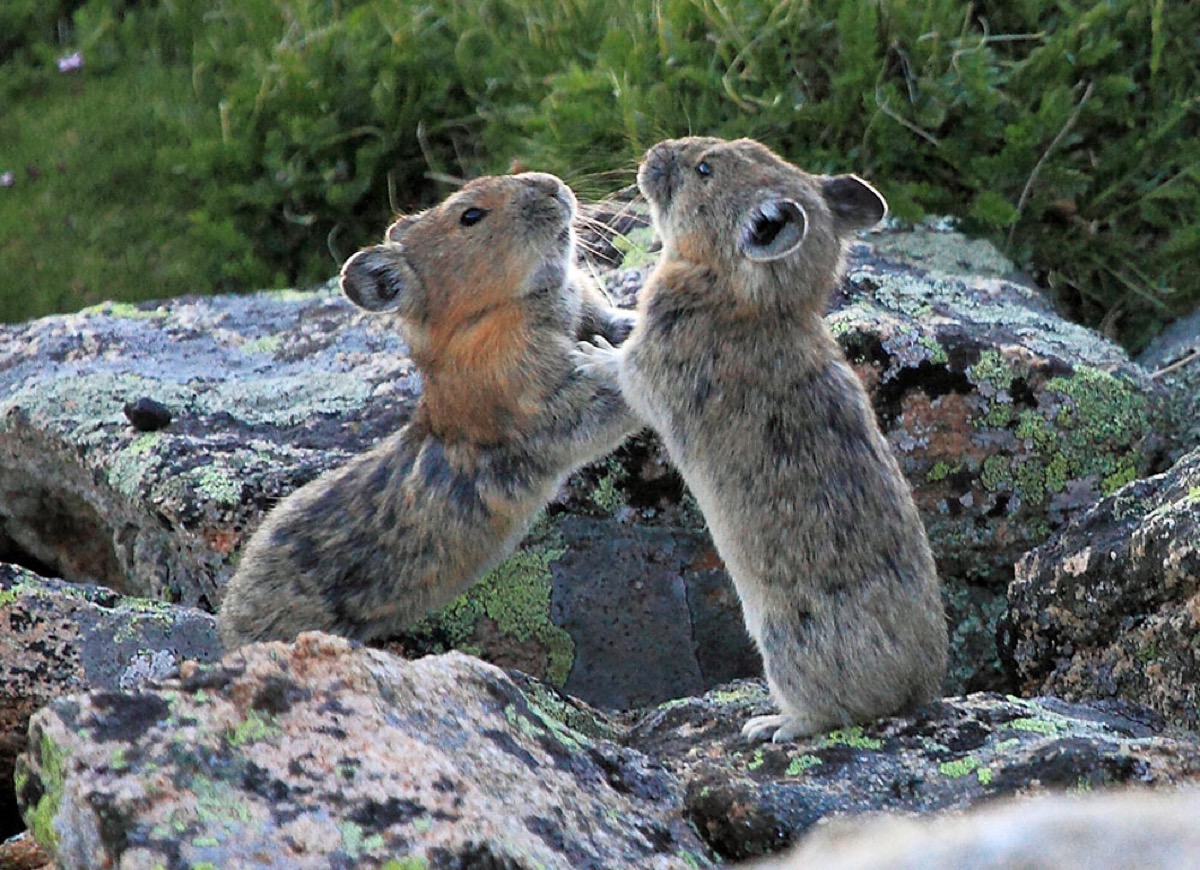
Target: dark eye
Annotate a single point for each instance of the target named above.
(703, 168)
(472, 216)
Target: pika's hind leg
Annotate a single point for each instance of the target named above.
(779, 727)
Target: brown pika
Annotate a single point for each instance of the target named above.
(732, 363)
(488, 300)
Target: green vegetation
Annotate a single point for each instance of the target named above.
(246, 143)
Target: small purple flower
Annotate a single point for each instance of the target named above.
(71, 62)
(7, 179)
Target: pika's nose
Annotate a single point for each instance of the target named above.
(657, 176)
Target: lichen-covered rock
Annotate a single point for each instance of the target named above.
(1111, 606)
(264, 391)
(1110, 831)
(57, 638)
(1174, 359)
(753, 800)
(325, 754)
(1006, 419)
(22, 852)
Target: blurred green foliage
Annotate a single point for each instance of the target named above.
(241, 143)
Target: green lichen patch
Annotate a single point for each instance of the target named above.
(959, 767)
(255, 728)
(852, 737)
(516, 597)
(802, 763)
(219, 485)
(51, 770)
(406, 863)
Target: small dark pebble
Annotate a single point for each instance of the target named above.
(147, 415)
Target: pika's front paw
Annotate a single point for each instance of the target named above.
(620, 324)
(778, 728)
(597, 358)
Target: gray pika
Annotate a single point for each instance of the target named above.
(732, 363)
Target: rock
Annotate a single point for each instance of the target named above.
(1111, 607)
(1006, 418)
(1129, 828)
(57, 638)
(1174, 359)
(323, 754)
(22, 852)
(754, 800)
(326, 754)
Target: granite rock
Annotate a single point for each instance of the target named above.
(324, 754)
(57, 638)
(1110, 608)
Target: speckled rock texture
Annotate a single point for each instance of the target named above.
(748, 801)
(1174, 359)
(325, 754)
(1116, 831)
(321, 754)
(1006, 419)
(1111, 606)
(57, 638)
(22, 852)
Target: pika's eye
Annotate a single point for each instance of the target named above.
(472, 216)
(702, 168)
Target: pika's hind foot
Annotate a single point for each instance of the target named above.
(779, 727)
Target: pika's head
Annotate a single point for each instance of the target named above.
(752, 217)
(497, 239)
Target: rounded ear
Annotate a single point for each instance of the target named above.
(773, 229)
(377, 279)
(855, 204)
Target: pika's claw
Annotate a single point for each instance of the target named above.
(779, 728)
(597, 357)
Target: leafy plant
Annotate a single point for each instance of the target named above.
(284, 133)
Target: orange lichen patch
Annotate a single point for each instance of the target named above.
(223, 541)
(945, 423)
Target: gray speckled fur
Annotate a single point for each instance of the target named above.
(368, 548)
(732, 364)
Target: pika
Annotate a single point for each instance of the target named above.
(486, 295)
(732, 363)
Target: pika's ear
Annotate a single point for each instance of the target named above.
(773, 229)
(855, 204)
(378, 278)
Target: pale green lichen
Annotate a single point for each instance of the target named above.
(406, 863)
(984, 775)
(7, 597)
(264, 344)
(756, 760)
(1047, 727)
(551, 708)
(355, 842)
(802, 763)
(255, 728)
(51, 760)
(218, 485)
(516, 597)
(852, 737)
(125, 310)
(959, 768)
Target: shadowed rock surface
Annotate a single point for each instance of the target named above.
(1111, 607)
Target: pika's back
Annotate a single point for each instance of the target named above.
(738, 210)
